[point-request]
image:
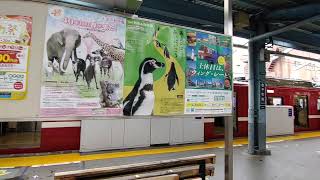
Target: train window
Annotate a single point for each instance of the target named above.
(275, 101)
(19, 135)
(318, 104)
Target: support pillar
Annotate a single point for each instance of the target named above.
(257, 97)
(228, 121)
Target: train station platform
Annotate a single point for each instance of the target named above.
(293, 157)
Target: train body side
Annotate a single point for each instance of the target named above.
(287, 94)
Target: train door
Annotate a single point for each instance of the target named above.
(301, 111)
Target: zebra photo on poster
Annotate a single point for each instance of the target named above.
(82, 64)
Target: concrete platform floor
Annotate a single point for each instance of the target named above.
(290, 160)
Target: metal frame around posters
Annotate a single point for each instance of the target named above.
(228, 29)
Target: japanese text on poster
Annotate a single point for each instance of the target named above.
(208, 74)
(155, 69)
(83, 64)
(15, 37)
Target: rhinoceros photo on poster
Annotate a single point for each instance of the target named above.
(83, 63)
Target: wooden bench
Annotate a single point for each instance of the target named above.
(186, 167)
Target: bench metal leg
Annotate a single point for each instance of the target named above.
(202, 169)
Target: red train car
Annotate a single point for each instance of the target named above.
(305, 100)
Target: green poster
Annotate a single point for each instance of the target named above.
(155, 61)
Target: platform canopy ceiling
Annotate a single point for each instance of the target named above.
(208, 15)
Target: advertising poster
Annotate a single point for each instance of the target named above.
(155, 60)
(83, 64)
(15, 37)
(208, 74)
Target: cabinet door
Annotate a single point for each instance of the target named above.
(117, 133)
(193, 130)
(137, 133)
(176, 131)
(95, 135)
(160, 130)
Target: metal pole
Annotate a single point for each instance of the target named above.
(228, 25)
(228, 150)
(252, 131)
(228, 128)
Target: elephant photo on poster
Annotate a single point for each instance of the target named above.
(83, 62)
(61, 48)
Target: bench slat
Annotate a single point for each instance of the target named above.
(134, 168)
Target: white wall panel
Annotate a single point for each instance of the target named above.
(137, 133)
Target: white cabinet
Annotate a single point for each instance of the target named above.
(160, 130)
(279, 120)
(101, 135)
(193, 130)
(137, 133)
(117, 133)
(186, 130)
(132, 133)
(176, 131)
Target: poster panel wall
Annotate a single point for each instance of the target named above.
(82, 64)
(15, 38)
(103, 65)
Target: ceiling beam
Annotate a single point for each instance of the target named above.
(180, 17)
(208, 3)
(295, 45)
(284, 29)
(294, 13)
(302, 30)
(251, 4)
(307, 32)
(198, 23)
(315, 26)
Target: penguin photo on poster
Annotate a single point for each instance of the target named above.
(140, 100)
(172, 77)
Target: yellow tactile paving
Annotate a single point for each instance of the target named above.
(76, 157)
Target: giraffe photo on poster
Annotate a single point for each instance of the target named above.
(83, 63)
